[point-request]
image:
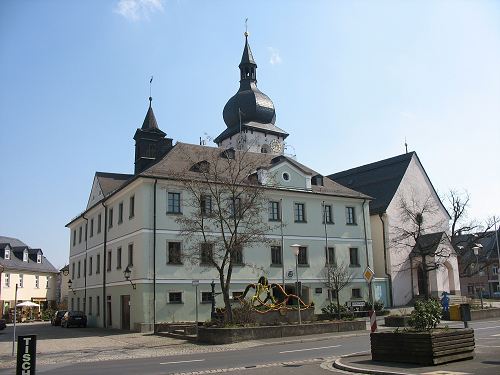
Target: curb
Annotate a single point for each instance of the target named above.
(341, 366)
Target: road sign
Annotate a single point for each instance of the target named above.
(368, 274)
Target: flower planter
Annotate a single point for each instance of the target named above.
(425, 348)
(396, 321)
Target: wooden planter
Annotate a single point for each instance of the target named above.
(396, 321)
(425, 348)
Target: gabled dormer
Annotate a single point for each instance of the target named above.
(286, 174)
(25, 255)
(5, 251)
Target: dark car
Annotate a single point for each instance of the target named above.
(56, 319)
(74, 318)
(2, 324)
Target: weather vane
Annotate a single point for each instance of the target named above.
(150, 84)
(246, 27)
(406, 146)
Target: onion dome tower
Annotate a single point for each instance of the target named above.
(250, 115)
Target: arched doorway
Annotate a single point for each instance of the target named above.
(450, 280)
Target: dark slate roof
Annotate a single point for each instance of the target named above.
(379, 180)
(16, 260)
(267, 128)
(487, 240)
(109, 182)
(428, 243)
(247, 56)
(178, 162)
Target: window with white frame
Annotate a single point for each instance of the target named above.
(120, 213)
(206, 205)
(173, 203)
(25, 256)
(299, 212)
(7, 280)
(302, 257)
(39, 258)
(47, 282)
(276, 256)
(350, 216)
(131, 207)
(327, 214)
(274, 211)
(7, 254)
(237, 256)
(37, 281)
(21, 280)
(494, 269)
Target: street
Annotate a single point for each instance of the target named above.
(300, 357)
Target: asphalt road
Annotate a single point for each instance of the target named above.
(301, 358)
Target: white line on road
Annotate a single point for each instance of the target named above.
(305, 350)
(477, 329)
(489, 346)
(171, 363)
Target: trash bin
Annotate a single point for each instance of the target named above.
(465, 312)
(455, 312)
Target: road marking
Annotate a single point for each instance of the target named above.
(305, 350)
(174, 362)
(489, 346)
(498, 334)
(478, 329)
(443, 372)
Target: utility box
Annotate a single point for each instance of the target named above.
(454, 311)
(465, 312)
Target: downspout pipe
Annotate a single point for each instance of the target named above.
(105, 243)
(85, 263)
(370, 293)
(386, 271)
(154, 255)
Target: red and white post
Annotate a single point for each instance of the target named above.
(373, 320)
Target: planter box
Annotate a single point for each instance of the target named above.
(485, 314)
(287, 316)
(212, 335)
(396, 321)
(424, 348)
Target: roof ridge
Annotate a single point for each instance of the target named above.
(375, 165)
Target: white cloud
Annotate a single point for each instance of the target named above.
(275, 56)
(136, 10)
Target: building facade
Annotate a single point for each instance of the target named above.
(391, 183)
(131, 223)
(27, 268)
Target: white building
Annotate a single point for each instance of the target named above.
(30, 270)
(130, 220)
(389, 182)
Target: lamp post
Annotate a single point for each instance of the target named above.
(195, 284)
(296, 250)
(476, 248)
(127, 274)
(70, 286)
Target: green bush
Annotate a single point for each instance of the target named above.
(427, 315)
(331, 311)
(378, 305)
(47, 314)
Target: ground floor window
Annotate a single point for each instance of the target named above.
(175, 297)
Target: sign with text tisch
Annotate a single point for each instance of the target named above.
(26, 355)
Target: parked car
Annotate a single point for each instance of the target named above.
(3, 324)
(74, 318)
(496, 295)
(56, 319)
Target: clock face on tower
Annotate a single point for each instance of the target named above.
(276, 146)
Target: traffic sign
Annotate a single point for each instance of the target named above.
(368, 274)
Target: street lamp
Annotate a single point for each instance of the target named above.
(195, 284)
(70, 286)
(476, 248)
(296, 250)
(127, 274)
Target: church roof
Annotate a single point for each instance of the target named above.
(379, 180)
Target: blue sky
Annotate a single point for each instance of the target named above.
(350, 81)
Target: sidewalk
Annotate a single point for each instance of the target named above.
(363, 364)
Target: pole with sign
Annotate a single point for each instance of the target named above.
(26, 355)
(368, 275)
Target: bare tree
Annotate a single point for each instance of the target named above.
(466, 233)
(335, 278)
(224, 206)
(422, 235)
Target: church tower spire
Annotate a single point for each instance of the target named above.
(150, 142)
(250, 115)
